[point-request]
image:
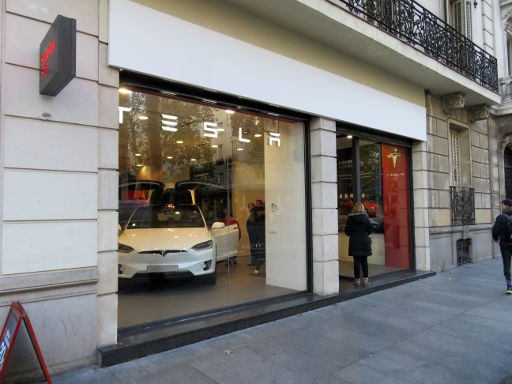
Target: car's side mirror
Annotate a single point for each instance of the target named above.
(218, 225)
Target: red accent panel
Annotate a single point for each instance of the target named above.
(395, 191)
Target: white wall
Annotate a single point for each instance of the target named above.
(285, 209)
(208, 59)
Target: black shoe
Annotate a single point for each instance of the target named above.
(509, 289)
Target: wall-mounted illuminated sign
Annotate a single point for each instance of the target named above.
(57, 54)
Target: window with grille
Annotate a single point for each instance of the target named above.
(461, 17)
(463, 253)
(455, 157)
(461, 193)
(459, 147)
(468, 20)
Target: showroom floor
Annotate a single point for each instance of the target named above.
(347, 269)
(140, 302)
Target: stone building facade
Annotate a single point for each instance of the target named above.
(476, 131)
(339, 73)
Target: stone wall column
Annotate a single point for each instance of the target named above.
(421, 204)
(324, 204)
(108, 180)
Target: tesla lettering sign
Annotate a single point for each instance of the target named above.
(57, 54)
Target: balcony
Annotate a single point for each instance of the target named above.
(417, 26)
(400, 37)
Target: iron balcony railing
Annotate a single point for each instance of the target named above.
(416, 25)
(462, 205)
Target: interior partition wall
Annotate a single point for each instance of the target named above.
(212, 205)
(376, 172)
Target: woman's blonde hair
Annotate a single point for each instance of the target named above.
(359, 208)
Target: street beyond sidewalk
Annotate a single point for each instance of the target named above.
(452, 328)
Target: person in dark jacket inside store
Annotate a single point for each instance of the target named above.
(360, 244)
(501, 236)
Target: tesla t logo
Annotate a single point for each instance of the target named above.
(44, 58)
(394, 156)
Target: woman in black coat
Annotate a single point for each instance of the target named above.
(360, 243)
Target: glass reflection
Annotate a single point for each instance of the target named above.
(211, 207)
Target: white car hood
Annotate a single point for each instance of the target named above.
(147, 239)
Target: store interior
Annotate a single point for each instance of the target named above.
(209, 210)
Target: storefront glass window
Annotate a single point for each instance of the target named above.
(211, 207)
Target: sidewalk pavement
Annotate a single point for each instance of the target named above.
(452, 328)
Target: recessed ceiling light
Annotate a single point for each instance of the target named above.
(349, 136)
(193, 160)
(179, 142)
(125, 91)
(140, 165)
(257, 135)
(230, 111)
(215, 146)
(142, 117)
(169, 157)
(138, 154)
(240, 149)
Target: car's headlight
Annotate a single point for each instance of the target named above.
(123, 248)
(203, 245)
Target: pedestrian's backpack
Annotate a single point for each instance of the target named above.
(509, 228)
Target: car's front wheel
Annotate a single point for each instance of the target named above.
(211, 278)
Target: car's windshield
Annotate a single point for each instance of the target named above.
(166, 216)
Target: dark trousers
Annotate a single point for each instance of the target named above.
(253, 240)
(362, 262)
(505, 255)
(259, 255)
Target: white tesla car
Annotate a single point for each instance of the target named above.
(174, 240)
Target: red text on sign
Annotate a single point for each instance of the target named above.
(44, 58)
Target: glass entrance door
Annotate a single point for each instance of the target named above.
(375, 174)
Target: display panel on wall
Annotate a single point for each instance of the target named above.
(211, 207)
(383, 177)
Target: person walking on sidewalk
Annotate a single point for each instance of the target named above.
(360, 244)
(501, 236)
